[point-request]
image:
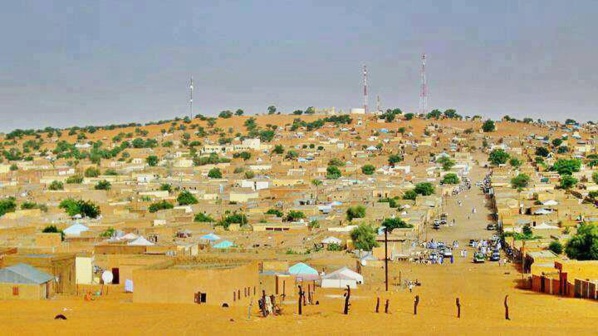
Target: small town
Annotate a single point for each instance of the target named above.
(287, 217)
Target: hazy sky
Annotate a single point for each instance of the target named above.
(66, 63)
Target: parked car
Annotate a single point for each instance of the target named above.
(495, 256)
(447, 253)
(479, 258)
(491, 227)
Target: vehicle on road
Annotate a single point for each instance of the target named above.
(479, 258)
(495, 256)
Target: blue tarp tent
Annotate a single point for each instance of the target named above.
(75, 229)
(304, 272)
(210, 237)
(223, 244)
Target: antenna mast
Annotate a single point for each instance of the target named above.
(378, 105)
(423, 96)
(191, 99)
(365, 89)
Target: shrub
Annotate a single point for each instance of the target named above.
(7, 205)
(424, 188)
(356, 212)
(293, 215)
(56, 185)
(276, 212)
(451, 178)
(162, 205)
(410, 195)
(203, 218)
(333, 173)
(92, 172)
(334, 247)
(368, 169)
(395, 223)
(520, 181)
(75, 179)
(556, 247)
(186, 198)
(53, 229)
(103, 185)
(215, 173)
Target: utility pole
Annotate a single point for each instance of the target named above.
(386, 258)
(365, 89)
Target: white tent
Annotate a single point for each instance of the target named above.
(545, 226)
(551, 202)
(129, 236)
(341, 279)
(332, 240)
(140, 241)
(75, 229)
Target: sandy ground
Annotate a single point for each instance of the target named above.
(480, 287)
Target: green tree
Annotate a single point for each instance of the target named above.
(293, 215)
(291, 155)
(566, 167)
(80, 207)
(92, 172)
(166, 187)
(56, 185)
(446, 163)
(584, 244)
(515, 162)
(489, 126)
(7, 205)
(203, 218)
(271, 109)
(225, 114)
(333, 173)
(410, 195)
(568, 182)
(394, 159)
(161, 205)
(557, 142)
(595, 177)
(152, 160)
(451, 178)
(424, 188)
(108, 233)
(215, 173)
(409, 116)
(75, 179)
(556, 247)
(186, 198)
(364, 237)
(249, 174)
(368, 169)
(520, 181)
(239, 112)
(278, 149)
(356, 212)
(542, 151)
(336, 162)
(103, 185)
(275, 212)
(395, 223)
(498, 157)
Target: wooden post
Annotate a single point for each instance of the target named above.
(377, 304)
(301, 293)
(386, 306)
(347, 297)
(507, 308)
(415, 303)
(458, 308)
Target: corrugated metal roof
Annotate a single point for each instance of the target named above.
(23, 274)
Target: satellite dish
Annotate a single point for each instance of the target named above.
(107, 277)
(363, 262)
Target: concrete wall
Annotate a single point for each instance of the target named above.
(84, 270)
(173, 285)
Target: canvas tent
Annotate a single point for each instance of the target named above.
(342, 278)
(211, 237)
(75, 229)
(140, 241)
(331, 240)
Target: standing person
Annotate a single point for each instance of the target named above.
(410, 287)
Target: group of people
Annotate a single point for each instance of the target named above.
(268, 306)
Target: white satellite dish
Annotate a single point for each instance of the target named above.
(107, 277)
(363, 262)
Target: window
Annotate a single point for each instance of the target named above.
(15, 291)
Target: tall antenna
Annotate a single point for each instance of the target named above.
(365, 89)
(378, 105)
(191, 99)
(423, 96)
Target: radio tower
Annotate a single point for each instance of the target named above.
(378, 104)
(365, 89)
(423, 96)
(191, 99)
